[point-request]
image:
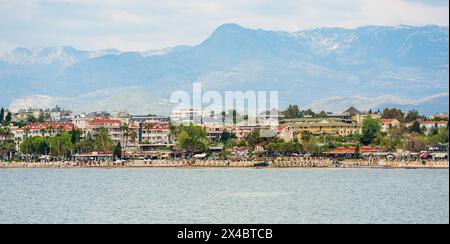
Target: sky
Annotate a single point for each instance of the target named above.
(138, 25)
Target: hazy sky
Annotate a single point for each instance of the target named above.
(154, 24)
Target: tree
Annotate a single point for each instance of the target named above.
(61, 145)
(255, 139)
(441, 137)
(234, 113)
(415, 127)
(275, 148)
(434, 131)
(394, 139)
(75, 136)
(357, 151)
(31, 119)
(7, 144)
(133, 135)
(117, 151)
(42, 117)
(309, 112)
(2, 115)
(323, 114)
(371, 129)
(306, 135)
(379, 140)
(5, 133)
(7, 148)
(8, 118)
(292, 112)
(40, 145)
(393, 113)
(412, 115)
(234, 116)
(293, 147)
(126, 132)
(85, 145)
(60, 129)
(35, 146)
(51, 130)
(415, 142)
(102, 140)
(284, 148)
(192, 139)
(26, 147)
(227, 136)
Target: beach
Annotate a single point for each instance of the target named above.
(262, 163)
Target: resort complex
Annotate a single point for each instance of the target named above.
(58, 135)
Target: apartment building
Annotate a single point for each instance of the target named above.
(331, 126)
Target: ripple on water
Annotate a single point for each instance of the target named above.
(224, 196)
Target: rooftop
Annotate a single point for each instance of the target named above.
(49, 125)
(352, 111)
(105, 121)
(383, 121)
(156, 126)
(434, 122)
(310, 122)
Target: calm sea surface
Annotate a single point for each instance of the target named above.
(223, 196)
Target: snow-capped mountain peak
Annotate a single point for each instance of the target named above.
(64, 55)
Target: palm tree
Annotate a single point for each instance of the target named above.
(148, 126)
(60, 129)
(7, 145)
(27, 132)
(17, 140)
(173, 133)
(51, 129)
(5, 133)
(126, 132)
(133, 136)
(103, 141)
(43, 132)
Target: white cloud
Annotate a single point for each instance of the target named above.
(138, 25)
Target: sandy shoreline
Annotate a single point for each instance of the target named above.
(312, 164)
(224, 168)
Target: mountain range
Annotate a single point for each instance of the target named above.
(329, 69)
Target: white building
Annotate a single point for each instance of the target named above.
(387, 124)
(429, 125)
(81, 121)
(154, 134)
(127, 138)
(187, 116)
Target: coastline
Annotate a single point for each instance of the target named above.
(313, 164)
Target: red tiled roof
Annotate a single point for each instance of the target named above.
(133, 125)
(156, 126)
(384, 121)
(47, 125)
(105, 121)
(280, 128)
(434, 123)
